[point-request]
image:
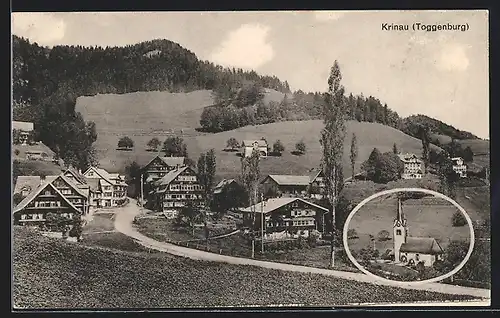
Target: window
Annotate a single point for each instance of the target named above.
(398, 232)
(23, 216)
(47, 192)
(295, 204)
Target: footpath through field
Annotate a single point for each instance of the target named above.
(123, 224)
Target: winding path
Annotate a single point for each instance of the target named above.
(123, 224)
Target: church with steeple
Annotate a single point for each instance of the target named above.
(410, 250)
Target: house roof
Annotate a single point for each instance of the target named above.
(33, 194)
(314, 174)
(169, 161)
(174, 161)
(108, 177)
(408, 156)
(423, 245)
(290, 179)
(224, 182)
(80, 190)
(249, 142)
(276, 203)
(30, 182)
(22, 125)
(170, 176)
(77, 175)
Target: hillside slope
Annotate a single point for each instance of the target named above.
(49, 273)
(369, 135)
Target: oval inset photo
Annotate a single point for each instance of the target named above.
(409, 236)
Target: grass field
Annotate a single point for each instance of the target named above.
(50, 273)
(144, 115)
(100, 222)
(427, 217)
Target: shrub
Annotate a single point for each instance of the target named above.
(458, 219)
(278, 147)
(232, 143)
(16, 152)
(352, 234)
(300, 147)
(125, 142)
(383, 235)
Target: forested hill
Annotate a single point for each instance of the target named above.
(47, 81)
(411, 124)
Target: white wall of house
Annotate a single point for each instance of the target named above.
(418, 257)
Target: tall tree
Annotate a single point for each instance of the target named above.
(426, 139)
(354, 153)
(332, 141)
(175, 147)
(395, 149)
(154, 143)
(206, 174)
(250, 175)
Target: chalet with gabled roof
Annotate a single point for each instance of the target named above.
(175, 190)
(159, 166)
(108, 189)
(248, 146)
(286, 217)
(295, 185)
(54, 194)
(413, 166)
(459, 166)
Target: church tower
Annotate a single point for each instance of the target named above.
(400, 231)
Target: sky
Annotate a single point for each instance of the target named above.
(442, 74)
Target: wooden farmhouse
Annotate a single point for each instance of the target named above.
(175, 190)
(285, 217)
(52, 194)
(109, 189)
(311, 185)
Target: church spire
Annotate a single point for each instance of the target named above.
(400, 218)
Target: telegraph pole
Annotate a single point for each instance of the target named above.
(142, 191)
(262, 224)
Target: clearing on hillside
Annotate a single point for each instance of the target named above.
(142, 116)
(369, 135)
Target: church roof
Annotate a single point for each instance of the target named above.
(423, 245)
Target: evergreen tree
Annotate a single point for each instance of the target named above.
(332, 141)
(250, 175)
(425, 138)
(395, 149)
(354, 153)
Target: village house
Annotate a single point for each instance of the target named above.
(109, 189)
(311, 185)
(248, 146)
(159, 166)
(459, 167)
(175, 190)
(25, 129)
(412, 250)
(52, 194)
(285, 217)
(413, 166)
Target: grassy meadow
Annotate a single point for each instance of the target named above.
(51, 273)
(144, 115)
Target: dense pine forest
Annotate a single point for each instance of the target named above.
(47, 81)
